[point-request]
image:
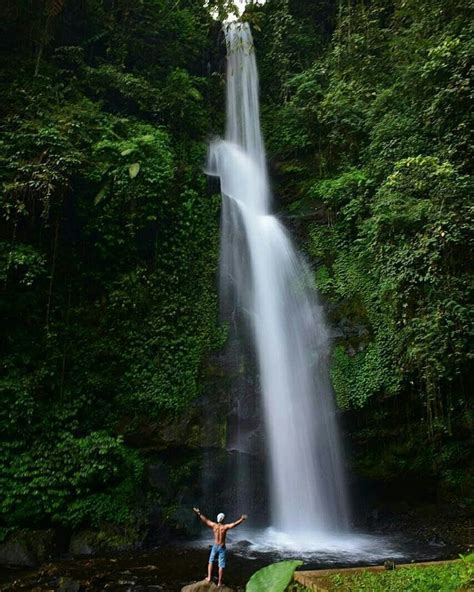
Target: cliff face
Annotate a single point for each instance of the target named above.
(211, 455)
(116, 418)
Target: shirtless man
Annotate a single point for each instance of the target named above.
(218, 548)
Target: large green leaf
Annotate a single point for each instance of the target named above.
(273, 578)
(101, 194)
(133, 170)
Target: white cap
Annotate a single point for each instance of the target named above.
(220, 517)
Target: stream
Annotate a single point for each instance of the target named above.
(170, 567)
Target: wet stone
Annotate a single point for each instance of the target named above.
(205, 586)
(68, 585)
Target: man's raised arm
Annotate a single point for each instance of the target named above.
(206, 521)
(237, 522)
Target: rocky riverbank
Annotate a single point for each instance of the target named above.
(166, 569)
(170, 567)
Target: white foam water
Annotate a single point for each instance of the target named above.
(320, 549)
(341, 547)
(272, 286)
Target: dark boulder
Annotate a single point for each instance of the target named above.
(109, 539)
(28, 548)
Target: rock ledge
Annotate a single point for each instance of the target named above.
(205, 586)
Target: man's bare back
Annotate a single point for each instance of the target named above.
(220, 530)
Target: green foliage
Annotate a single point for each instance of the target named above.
(449, 577)
(275, 577)
(73, 480)
(359, 376)
(371, 130)
(22, 262)
(397, 259)
(108, 247)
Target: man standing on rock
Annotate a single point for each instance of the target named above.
(218, 548)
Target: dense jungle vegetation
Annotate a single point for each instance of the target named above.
(109, 230)
(368, 129)
(109, 244)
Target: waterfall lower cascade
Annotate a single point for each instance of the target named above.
(273, 288)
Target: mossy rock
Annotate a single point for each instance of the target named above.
(107, 540)
(205, 586)
(28, 548)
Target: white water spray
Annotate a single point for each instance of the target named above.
(273, 287)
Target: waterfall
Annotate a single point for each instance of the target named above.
(272, 287)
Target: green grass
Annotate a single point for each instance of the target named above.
(452, 577)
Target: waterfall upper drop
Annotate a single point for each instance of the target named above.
(272, 287)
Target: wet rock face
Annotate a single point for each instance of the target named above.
(202, 424)
(188, 429)
(243, 479)
(82, 543)
(238, 487)
(159, 476)
(214, 454)
(108, 540)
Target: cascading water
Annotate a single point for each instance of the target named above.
(273, 288)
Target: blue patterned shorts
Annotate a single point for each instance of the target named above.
(220, 551)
